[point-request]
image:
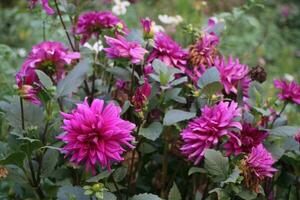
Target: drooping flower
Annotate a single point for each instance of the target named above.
(121, 48)
(232, 73)
(206, 131)
(290, 91)
(148, 28)
(96, 134)
(168, 51)
(49, 57)
(45, 5)
(244, 141)
(141, 95)
(94, 23)
(256, 166)
(119, 7)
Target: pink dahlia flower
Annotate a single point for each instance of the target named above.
(206, 131)
(232, 72)
(121, 48)
(244, 141)
(290, 91)
(141, 95)
(260, 162)
(96, 134)
(94, 23)
(49, 57)
(45, 5)
(148, 28)
(168, 51)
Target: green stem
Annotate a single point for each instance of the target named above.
(165, 165)
(280, 113)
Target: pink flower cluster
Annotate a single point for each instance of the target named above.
(290, 91)
(206, 131)
(96, 134)
(49, 57)
(94, 23)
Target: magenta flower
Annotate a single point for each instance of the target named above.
(297, 137)
(141, 95)
(290, 91)
(206, 131)
(50, 57)
(121, 84)
(232, 72)
(94, 23)
(45, 5)
(96, 134)
(260, 162)
(244, 141)
(148, 28)
(168, 51)
(121, 48)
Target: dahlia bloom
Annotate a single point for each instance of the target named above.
(45, 5)
(121, 48)
(232, 72)
(141, 95)
(49, 57)
(206, 131)
(290, 91)
(244, 141)
(168, 51)
(148, 27)
(93, 23)
(95, 134)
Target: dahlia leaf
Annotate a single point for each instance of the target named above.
(221, 194)
(16, 158)
(173, 94)
(152, 132)
(194, 170)
(109, 196)
(121, 73)
(216, 165)
(44, 79)
(73, 80)
(145, 196)
(209, 82)
(100, 176)
(285, 131)
(174, 116)
(233, 177)
(49, 162)
(135, 35)
(174, 193)
(71, 192)
(120, 173)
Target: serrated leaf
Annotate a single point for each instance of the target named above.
(121, 73)
(100, 176)
(233, 177)
(71, 192)
(174, 116)
(194, 170)
(73, 80)
(49, 162)
(152, 132)
(145, 196)
(120, 173)
(216, 165)
(284, 131)
(174, 193)
(44, 79)
(209, 82)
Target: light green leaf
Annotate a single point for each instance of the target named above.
(233, 177)
(209, 82)
(120, 173)
(109, 196)
(71, 192)
(194, 170)
(44, 79)
(152, 132)
(121, 73)
(216, 165)
(174, 193)
(174, 116)
(145, 196)
(284, 131)
(100, 176)
(49, 162)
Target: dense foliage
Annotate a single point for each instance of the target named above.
(99, 101)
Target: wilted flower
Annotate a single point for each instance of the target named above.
(290, 91)
(168, 51)
(258, 74)
(206, 131)
(232, 73)
(95, 134)
(94, 23)
(148, 28)
(121, 48)
(256, 166)
(141, 95)
(248, 137)
(45, 5)
(119, 7)
(3, 172)
(49, 57)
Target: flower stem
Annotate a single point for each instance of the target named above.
(165, 165)
(280, 113)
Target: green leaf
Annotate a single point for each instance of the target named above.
(49, 162)
(179, 81)
(71, 192)
(16, 158)
(109, 196)
(146, 148)
(285, 131)
(152, 132)
(247, 195)
(44, 79)
(173, 94)
(216, 165)
(233, 177)
(73, 80)
(135, 35)
(194, 170)
(120, 173)
(209, 82)
(174, 193)
(121, 73)
(145, 196)
(174, 116)
(29, 145)
(100, 176)
(221, 194)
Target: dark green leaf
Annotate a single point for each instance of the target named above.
(174, 193)
(145, 196)
(120, 173)
(174, 116)
(209, 82)
(71, 192)
(120, 73)
(49, 162)
(194, 170)
(216, 165)
(16, 158)
(233, 177)
(152, 132)
(100, 176)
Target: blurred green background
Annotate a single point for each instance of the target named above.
(265, 33)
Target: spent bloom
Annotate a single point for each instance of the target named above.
(49, 57)
(96, 134)
(290, 91)
(119, 7)
(141, 95)
(45, 5)
(168, 51)
(94, 23)
(248, 137)
(206, 131)
(121, 48)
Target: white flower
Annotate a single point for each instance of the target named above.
(158, 28)
(172, 20)
(288, 77)
(97, 47)
(21, 52)
(120, 7)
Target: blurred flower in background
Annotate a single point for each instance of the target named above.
(120, 7)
